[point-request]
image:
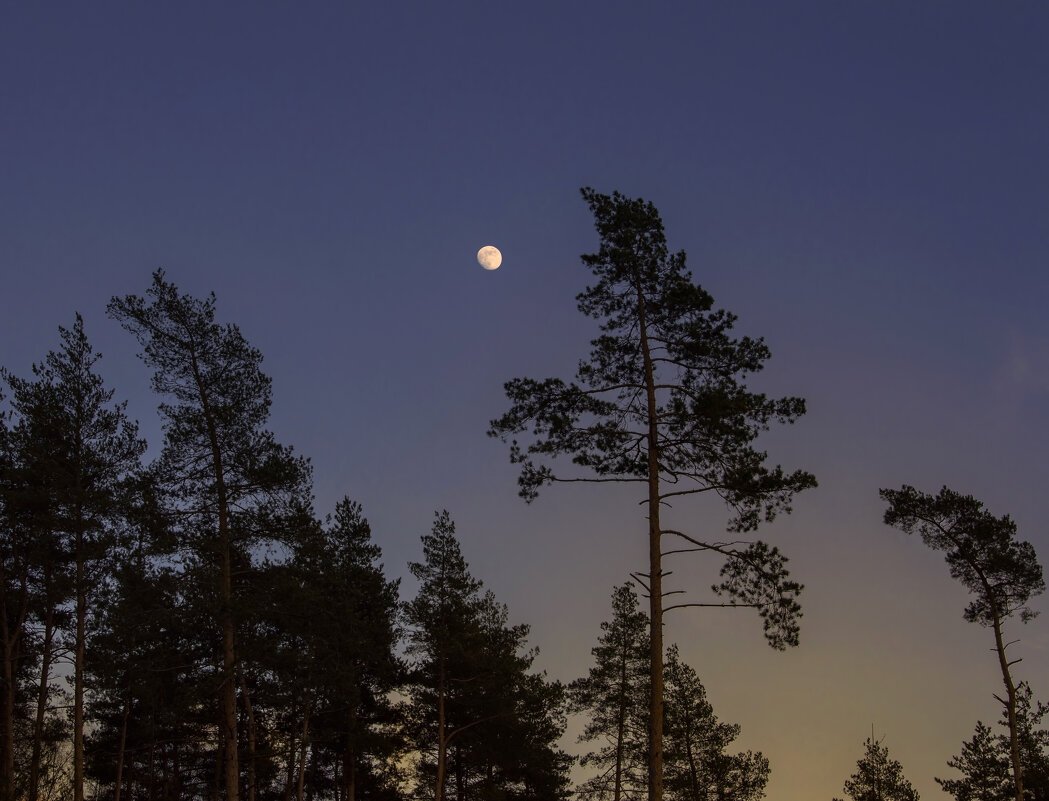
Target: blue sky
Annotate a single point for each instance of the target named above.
(865, 184)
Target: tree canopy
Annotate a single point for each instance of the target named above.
(662, 402)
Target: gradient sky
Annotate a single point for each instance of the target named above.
(865, 184)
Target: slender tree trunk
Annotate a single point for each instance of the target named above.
(123, 742)
(1007, 679)
(621, 724)
(231, 768)
(655, 560)
(693, 770)
(78, 660)
(304, 748)
(12, 655)
(251, 733)
(292, 750)
(7, 734)
(460, 779)
(442, 745)
(349, 759)
(42, 696)
(1010, 689)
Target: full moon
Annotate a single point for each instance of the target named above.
(489, 257)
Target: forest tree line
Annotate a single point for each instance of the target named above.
(192, 629)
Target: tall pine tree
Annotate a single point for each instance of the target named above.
(223, 476)
(982, 552)
(662, 403)
(82, 453)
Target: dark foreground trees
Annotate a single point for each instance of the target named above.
(661, 402)
(71, 458)
(878, 777)
(614, 697)
(223, 479)
(698, 766)
(482, 725)
(986, 760)
(1001, 572)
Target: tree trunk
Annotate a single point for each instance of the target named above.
(12, 645)
(123, 743)
(655, 567)
(349, 759)
(442, 745)
(1010, 705)
(292, 750)
(229, 657)
(251, 733)
(304, 749)
(78, 660)
(42, 696)
(621, 724)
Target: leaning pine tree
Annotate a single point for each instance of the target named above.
(224, 480)
(999, 570)
(661, 402)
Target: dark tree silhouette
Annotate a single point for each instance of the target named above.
(661, 402)
(698, 767)
(878, 778)
(614, 696)
(986, 760)
(482, 725)
(983, 553)
(222, 473)
(80, 453)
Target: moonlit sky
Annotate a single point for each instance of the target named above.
(865, 184)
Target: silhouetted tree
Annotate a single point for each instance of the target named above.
(331, 627)
(697, 765)
(614, 696)
(983, 553)
(878, 778)
(662, 402)
(15, 603)
(484, 728)
(220, 469)
(986, 763)
(76, 452)
(87, 452)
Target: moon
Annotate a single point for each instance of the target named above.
(489, 257)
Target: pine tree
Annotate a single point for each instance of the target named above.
(662, 403)
(697, 765)
(878, 778)
(81, 451)
(220, 469)
(333, 624)
(982, 552)
(482, 725)
(986, 764)
(614, 696)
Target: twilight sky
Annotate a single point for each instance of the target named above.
(865, 184)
